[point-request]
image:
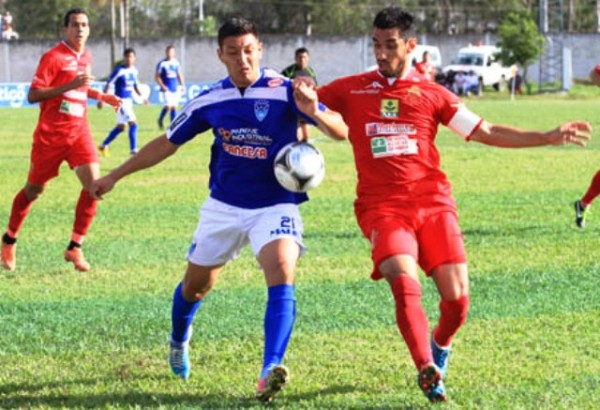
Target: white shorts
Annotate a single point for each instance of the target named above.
(171, 98)
(224, 230)
(125, 114)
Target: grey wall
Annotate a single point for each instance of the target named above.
(332, 57)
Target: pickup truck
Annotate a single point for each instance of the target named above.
(481, 60)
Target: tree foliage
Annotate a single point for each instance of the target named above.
(36, 19)
(520, 41)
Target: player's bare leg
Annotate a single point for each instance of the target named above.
(278, 260)
(84, 215)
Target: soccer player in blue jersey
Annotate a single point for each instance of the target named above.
(124, 79)
(169, 77)
(253, 114)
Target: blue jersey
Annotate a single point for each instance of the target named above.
(249, 128)
(124, 79)
(168, 71)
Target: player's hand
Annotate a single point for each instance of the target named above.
(574, 132)
(308, 81)
(101, 186)
(306, 98)
(112, 100)
(82, 79)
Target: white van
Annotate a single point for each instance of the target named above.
(481, 60)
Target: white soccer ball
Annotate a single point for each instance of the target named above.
(299, 167)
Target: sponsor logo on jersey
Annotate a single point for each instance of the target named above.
(413, 94)
(245, 151)
(275, 82)
(381, 128)
(390, 108)
(261, 109)
(244, 136)
(372, 88)
(393, 145)
(225, 134)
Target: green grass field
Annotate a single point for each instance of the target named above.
(100, 339)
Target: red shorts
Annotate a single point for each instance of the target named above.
(46, 157)
(431, 235)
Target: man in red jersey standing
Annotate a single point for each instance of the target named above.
(61, 86)
(405, 205)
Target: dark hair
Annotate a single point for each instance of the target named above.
(128, 51)
(395, 17)
(71, 12)
(236, 27)
(301, 50)
(169, 47)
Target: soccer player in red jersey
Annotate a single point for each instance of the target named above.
(61, 86)
(581, 205)
(404, 203)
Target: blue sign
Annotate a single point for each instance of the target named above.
(14, 95)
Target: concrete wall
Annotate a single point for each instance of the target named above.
(332, 57)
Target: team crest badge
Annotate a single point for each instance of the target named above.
(390, 108)
(261, 109)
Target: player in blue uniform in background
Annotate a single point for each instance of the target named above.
(253, 114)
(169, 77)
(124, 79)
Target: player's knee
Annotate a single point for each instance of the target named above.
(33, 192)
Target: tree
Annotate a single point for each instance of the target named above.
(520, 41)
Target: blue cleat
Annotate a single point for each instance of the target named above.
(179, 359)
(440, 357)
(431, 383)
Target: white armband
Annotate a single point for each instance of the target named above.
(464, 122)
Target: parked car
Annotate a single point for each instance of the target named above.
(481, 60)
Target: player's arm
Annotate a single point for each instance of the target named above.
(151, 154)
(159, 81)
(329, 122)
(45, 93)
(180, 79)
(573, 132)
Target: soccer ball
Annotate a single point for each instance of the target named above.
(299, 167)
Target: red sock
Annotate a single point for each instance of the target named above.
(592, 191)
(453, 314)
(18, 213)
(411, 319)
(84, 215)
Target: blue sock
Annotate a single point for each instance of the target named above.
(182, 315)
(279, 322)
(173, 114)
(133, 137)
(161, 117)
(111, 136)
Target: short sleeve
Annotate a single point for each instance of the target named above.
(190, 122)
(45, 72)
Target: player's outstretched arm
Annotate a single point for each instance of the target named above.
(329, 122)
(151, 154)
(573, 132)
(40, 94)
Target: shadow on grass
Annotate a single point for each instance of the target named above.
(26, 395)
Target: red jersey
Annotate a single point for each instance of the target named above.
(62, 118)
(427, 69)
(392, 132)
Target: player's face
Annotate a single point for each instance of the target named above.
(129, 59)
(241, 56)
(170, 54)
(392, 51)
(302, 60)
(77, 31)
